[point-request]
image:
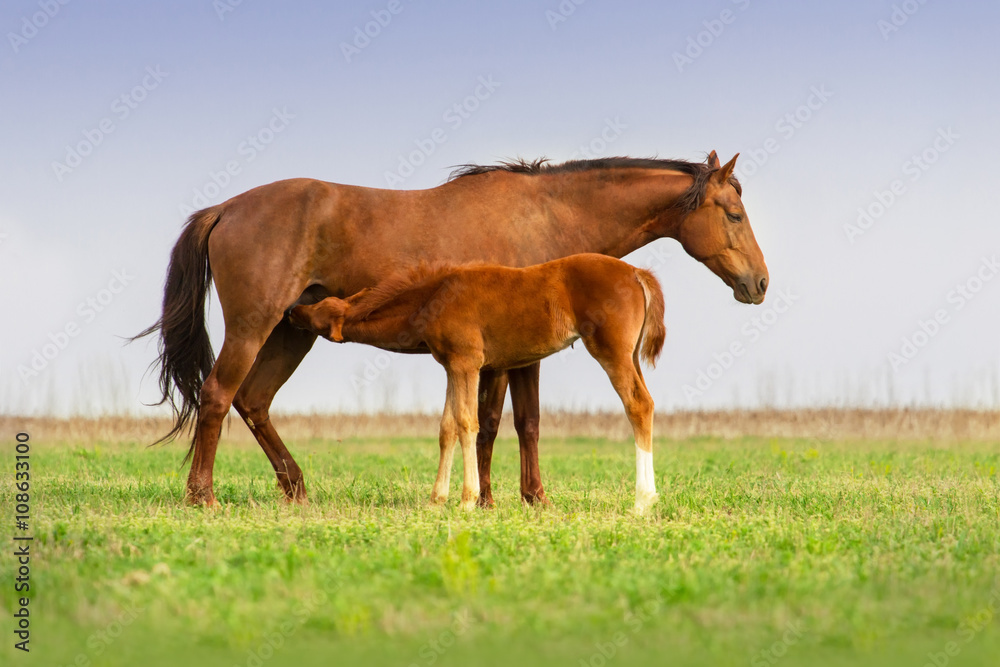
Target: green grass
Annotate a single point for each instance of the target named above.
(856, 552)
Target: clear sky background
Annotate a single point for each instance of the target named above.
(888, 108)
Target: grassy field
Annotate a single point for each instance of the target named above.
(762, 551)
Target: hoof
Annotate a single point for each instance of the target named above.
(536, 499)
(295, 494)
(438, 500)
(486, 503)
(644, 502)
(200, 498)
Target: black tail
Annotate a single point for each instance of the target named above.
(186, 356)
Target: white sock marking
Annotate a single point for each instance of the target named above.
(645, 479)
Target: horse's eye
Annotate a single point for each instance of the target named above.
(734, 217)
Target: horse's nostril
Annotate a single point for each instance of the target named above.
(763, 285)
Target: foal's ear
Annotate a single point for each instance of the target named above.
(333, 320)
(713, 160)
(725, 171)
(336, 332)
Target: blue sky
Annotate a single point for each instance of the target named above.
(837, 109)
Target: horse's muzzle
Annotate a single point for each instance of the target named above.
(750, 290)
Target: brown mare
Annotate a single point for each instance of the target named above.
(486, 317)
(301, 240)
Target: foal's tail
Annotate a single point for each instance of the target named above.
(186, 356)
(653, 333)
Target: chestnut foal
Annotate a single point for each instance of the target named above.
(476, 316)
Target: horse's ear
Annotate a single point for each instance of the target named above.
(726, 171)
(713, 160)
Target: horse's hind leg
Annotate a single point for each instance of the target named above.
(492, 388)
(217, 393)
(638, 404)
(640, 414)
(276, 361)
(622, 368)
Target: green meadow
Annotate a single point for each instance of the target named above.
(760, 552)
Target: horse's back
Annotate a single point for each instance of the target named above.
(519, 316)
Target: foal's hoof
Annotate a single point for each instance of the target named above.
(644, 501)
(438, 501)
(469, 505)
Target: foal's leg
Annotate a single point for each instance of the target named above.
(276, 361)
(630, 386)
(466, 383)
(628, 382)
(446, 441)
(492, 387)
(524, 396)
(626, 377)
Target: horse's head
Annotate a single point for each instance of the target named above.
(717, 233)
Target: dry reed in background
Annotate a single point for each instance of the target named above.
(832, 424)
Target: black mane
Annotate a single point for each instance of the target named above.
(691, 199)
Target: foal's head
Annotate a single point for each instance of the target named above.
(325, 318)
(718, 234)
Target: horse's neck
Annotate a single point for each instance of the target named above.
(611, 212)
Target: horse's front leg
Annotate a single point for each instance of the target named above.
(524, 397)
